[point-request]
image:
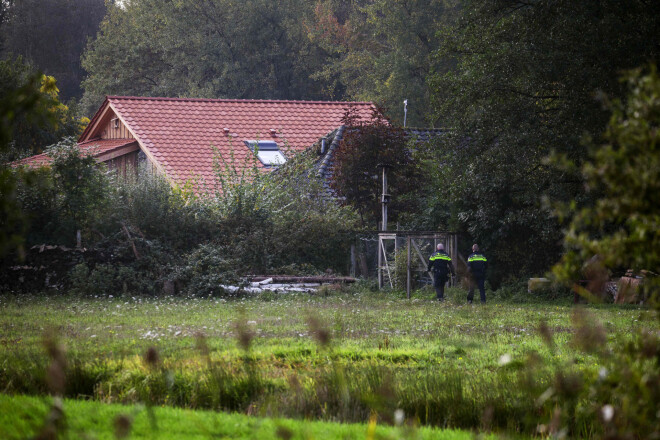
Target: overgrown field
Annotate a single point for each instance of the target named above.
(339, 356)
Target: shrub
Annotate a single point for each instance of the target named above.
(154, 209)
(622, 226)
(280, 218)
(206, 269)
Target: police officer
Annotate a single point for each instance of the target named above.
(477, 265)
(440, 263)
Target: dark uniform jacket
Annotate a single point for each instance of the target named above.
(440, 263)
(477, 265)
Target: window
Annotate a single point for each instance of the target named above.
(267, 152)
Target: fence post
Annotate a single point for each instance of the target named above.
(353, 262)
(408, 276)
(380, 262)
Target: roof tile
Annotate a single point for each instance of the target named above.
(180, 132)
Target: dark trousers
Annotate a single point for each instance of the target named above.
(439, 284)
(482, 291)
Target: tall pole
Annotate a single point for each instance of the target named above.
(384, 199)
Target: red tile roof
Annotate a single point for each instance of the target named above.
(95, 147)
(179, 133)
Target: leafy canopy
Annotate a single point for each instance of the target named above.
(203, 49)
(357, 175)
(523, 85)
(622, 226)
(51, 120)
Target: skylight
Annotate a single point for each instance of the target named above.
(267, 152)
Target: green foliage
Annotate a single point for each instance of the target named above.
(622, 225)
(518, 292)
(377, 50)
(83, 189)
(49, 121)
(280, 218)
(143, 236)
(22, 417)
(381, 51)
(212, 49)
(523, 85)
(73, 194)
(206, 269)
(401, 270)
(18, 102)
(113, 279)
(51, 34)
(155, 210)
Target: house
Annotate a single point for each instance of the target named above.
(177, 136)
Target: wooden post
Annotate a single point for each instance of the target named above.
(408, 277)
(455, 240)
(353, 262)
(380, 262)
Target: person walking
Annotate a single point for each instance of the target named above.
(440, 264)
(477, 265)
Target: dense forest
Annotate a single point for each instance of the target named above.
(521, 87)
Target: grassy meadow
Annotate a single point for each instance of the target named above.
(339, 356)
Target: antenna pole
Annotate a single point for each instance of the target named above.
(405, 112)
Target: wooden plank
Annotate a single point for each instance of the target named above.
(130, 148)
(302, 279)
(380, 264)
(387, 266)
(421, 257)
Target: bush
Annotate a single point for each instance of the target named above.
(151, 207)
(143, 233)
(517, 291)
(280, 218)
(206, 269)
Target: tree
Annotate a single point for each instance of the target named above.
(523, 85)
(357, 176)
(32, 132)
(51, 34)
(203, 49)
(622, 225)
(380, 50)
(24, 102)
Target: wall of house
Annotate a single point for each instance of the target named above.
(115, 129)
(125, 166)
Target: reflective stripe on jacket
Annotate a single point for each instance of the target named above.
(440, 263)
(477, 263)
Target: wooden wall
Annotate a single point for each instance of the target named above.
(115, 129)
(125, 166)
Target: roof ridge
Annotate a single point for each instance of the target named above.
(278, 101)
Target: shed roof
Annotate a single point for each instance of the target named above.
(96, 147)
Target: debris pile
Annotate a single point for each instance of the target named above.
(286, 283)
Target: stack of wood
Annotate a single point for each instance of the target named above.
(628, 287)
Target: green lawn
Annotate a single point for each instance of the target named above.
(22, 417)
(341, 357)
